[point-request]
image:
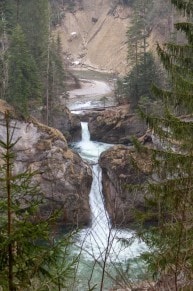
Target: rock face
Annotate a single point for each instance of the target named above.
(64, 178)
(67, 123)
(122, 167)
(62, 119)
(116, 125)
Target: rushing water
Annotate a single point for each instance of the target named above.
(101, 245)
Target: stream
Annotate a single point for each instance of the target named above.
(102, 247)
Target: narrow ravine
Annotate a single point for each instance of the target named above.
(101, 244)
(104, 257)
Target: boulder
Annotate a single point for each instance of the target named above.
(122, 170)
(62, 119)
(116, 125)
(68, 123)
(63, 177)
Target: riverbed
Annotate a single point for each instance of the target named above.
(92, 94)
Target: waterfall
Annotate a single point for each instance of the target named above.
(101, 237)
(100, 244)
(96, 236)
(85, 132)
(100, 217)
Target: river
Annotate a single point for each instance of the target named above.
(105, 259)
(90, 95)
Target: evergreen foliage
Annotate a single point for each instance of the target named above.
(23, 80)
(35, 22)
(57, 7)
(142, 67)
(170, 189)
(138, 32)
(29, 257)
(30, 64)
(138, 82)
(55, 79)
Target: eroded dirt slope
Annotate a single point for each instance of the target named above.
(95, 35)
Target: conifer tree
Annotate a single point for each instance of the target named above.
(34, 20)
(34, 61)
(29, 257)
(23, 82)
(56, 72)
(170, 190)
(138, 82)
(141, 62)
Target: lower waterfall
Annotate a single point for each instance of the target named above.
(102, 245)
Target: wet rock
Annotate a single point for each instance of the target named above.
(63, 177)
(122, 170)
(115, 125)
(67, 123)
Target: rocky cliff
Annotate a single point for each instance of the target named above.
(64, 178)
(60, 118)
(115, 125)
(122, 170)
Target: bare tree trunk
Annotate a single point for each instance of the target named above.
(4, 76)
(47, 73)
(18, 4)
(9, 211)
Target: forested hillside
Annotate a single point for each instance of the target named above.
(32, 71)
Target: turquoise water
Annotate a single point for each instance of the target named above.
(101, 246)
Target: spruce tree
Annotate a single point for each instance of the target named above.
(170, 189)
(29, 256)
(34, 20)
(139, 80)
(57, 74)
(140, 61)
(34, 61)
(23, 83)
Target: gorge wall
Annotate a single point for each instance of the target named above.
(64, 179)
(122, 170)
(93, 33)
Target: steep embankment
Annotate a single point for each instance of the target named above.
(64, 178)
(93, 33)
(122, 170)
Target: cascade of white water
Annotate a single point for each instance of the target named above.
(85, 132)
(101, 238)
(99, 214)
(99, 245)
